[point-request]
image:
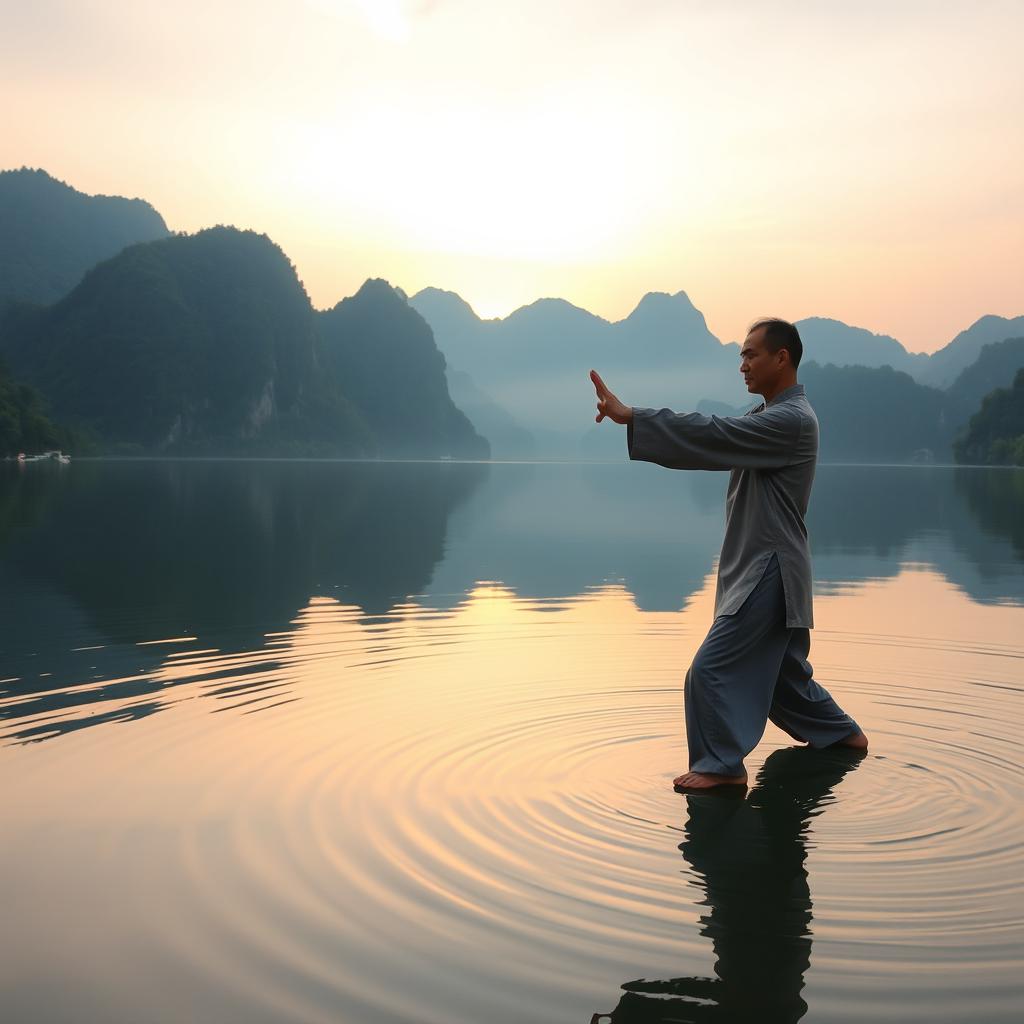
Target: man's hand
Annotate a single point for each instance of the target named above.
(608, 405)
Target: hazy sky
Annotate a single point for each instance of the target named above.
(863, 161)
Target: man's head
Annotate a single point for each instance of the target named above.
(769, 357)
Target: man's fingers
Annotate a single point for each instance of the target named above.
(604, 398)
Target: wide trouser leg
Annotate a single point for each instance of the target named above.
(749, 667)
(801, 706)
(729, 686)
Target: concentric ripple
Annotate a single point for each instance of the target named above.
(467, 815)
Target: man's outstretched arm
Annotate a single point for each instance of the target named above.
(768, 440)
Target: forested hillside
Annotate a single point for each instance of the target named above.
(51, 234)
(876, 414)
(24, 425)
(377, 349)
(208, 344)
(995, 434)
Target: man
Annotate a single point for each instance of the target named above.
(752, 666)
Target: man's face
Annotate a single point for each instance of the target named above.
(759, 365)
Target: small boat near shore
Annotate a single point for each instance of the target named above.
(54, 455)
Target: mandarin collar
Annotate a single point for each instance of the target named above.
(791, 392)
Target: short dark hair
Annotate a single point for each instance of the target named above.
(781, 334)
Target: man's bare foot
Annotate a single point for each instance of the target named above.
(707, 780)
(857, 740)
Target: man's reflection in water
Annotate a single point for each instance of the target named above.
(749, 857)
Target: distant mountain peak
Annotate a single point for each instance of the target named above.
(36, 173)
(374, 292)
(827, 340)
(832, 322)
(663, 310)
(947, 362)
(52, 233)
(661, 300)
(39, 178)
(987, 325)
(551, 307)
(374, 287)
(447, 305)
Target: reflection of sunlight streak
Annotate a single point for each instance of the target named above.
(867, 629)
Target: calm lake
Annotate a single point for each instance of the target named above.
(366, 743)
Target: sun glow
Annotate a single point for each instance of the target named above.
(389, 20)
(546, 183)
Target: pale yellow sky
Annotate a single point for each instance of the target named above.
(863, 161)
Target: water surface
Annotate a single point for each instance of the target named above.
(394, 742)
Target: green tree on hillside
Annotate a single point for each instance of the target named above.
(24, 425)
(995, 434)
(207, 344)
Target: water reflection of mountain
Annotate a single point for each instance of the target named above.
(747, 856)
(867, 521)
(231, 546)
(552, 531)
(151, 550)
(116, 554)
(113, 555)
(996, 499)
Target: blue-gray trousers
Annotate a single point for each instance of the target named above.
(751, 668)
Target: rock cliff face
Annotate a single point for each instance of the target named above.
(380, 351)
(208, 344)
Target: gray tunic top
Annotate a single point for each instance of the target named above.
(772, 452)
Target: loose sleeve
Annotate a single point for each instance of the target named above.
(767, 440)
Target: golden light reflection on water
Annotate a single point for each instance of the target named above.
(384, 802)
(423, 669)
